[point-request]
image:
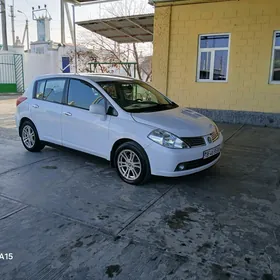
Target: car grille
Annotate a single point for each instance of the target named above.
(197, 163)
(194, 141)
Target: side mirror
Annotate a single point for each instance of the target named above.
(97, 109)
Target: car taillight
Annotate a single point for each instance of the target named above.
(21, 99)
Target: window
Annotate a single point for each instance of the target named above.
(40, 89)
(137, 96)
(82, 95)
(110, 88)
(275, 69)
(50, 90)
(213, 58)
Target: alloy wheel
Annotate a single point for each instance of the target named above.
(28, 136)
(129, 164)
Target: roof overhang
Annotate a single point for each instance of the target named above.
(88, 2)
(161, 3)
(130, 29)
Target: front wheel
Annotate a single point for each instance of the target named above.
(132, 163)
(29, 137)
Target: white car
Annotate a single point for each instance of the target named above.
(126, 121)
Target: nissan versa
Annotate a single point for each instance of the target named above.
(126, 121)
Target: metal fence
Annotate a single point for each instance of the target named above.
(120, 68)
(11, 73)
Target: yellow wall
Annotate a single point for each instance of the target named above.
(161, 48)
(251, 24)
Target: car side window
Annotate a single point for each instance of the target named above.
(82, 95)
(40, 87)
(50, 90)
(54, 90)
(110, 88)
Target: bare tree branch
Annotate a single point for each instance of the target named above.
(105, 50)
(148, 76)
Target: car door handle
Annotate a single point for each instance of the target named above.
(67, 114)
(35, 106)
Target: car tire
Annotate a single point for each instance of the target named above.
(29, 137)
(132, 163)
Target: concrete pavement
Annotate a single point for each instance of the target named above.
(67, 215)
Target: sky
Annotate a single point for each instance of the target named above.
(82, 13)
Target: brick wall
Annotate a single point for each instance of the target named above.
(251, 24)
(161, 36)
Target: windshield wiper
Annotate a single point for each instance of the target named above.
(156, 108)
(166, 106)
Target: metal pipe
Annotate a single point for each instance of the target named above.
(75, 39)
(76, 2)
(69, 22)
(97, 2)
(62, 22)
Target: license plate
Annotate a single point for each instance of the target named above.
(211, 152)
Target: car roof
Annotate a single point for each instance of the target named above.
(93, 77)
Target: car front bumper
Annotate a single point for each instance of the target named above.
(164, 161)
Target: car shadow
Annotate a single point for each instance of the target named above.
(192, 180)
(71, 152)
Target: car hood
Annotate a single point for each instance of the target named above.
(182, 122)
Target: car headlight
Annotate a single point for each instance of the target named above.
(216, 128)
(167, 139)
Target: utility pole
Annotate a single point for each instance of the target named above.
(13, 23)
(4, 25)
(27, 33)
(26, 30)
(62, 21)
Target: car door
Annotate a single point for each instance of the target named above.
(46, 108)
(82, 130)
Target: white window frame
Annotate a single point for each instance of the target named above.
(271, 81)
(212, 61)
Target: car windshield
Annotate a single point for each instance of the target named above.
(137, 96)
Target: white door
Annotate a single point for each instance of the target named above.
(46, 109)
(82, 130)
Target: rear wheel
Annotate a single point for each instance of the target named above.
(132, 163)
(29, 137)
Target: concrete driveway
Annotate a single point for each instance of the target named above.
(67, 215)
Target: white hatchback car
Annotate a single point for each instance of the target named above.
(126, 121)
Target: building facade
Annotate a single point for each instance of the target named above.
(220, 56)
